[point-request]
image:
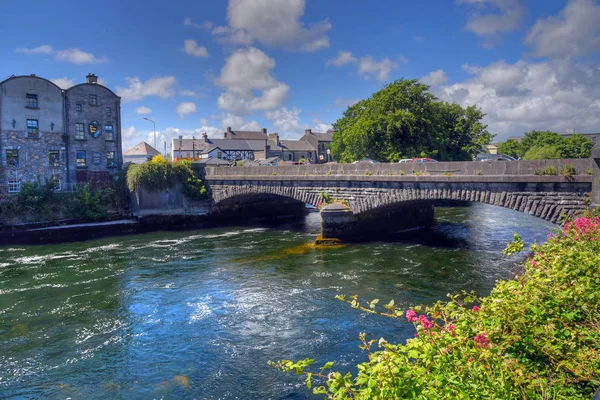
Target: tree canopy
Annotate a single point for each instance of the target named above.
(405, 120)
(540, 145)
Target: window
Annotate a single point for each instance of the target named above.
(12, 158)
(107, 110)
(219, 155)
(290, 157)
(32, 128)
(32, 100)
(110, 159)
(54, 158)
(81, 160)
(79, 131)
(108, 132)
(78, 107)
(14, 186)
(93, 99)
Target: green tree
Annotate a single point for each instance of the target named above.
(405, 120)
(542, 153)
(511, 147)
(540, 139)
(576, 146)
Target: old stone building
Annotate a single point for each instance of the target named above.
(94, 131)
(46, 133)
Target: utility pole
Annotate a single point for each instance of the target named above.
(193, 148)
(148, 119)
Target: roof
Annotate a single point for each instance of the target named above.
(202, 146)
(212, 161)
(245, 135)
(323, 136)
(141, 149)
(296, 145)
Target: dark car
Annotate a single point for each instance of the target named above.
(494, 157)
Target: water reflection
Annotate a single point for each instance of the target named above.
(198, 314)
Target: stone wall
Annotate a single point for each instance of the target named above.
(106, 113)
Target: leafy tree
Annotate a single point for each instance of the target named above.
(576, 146)
(540, 139)
(542, 153)
(511, 147)
(405, 120)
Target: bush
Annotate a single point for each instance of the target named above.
(542, 153)
(87, 204)
(160, 174)
(36, 200)
(534, 337)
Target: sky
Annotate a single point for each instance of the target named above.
(289, 65)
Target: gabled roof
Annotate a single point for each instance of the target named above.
(202, 146)
(323, 136)
(141, 149)
(245, 135)
(296, 145)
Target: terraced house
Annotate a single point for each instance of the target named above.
(69, 136)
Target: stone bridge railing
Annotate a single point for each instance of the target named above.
(365, 187)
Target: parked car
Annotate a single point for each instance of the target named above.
(494, 157)
(416, 160)
(365, 161)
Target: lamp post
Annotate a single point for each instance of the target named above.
(193, 148)
(148, 119)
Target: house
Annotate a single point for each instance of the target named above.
(140, 153)
(321, 142)
(230, 150)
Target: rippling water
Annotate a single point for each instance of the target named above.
(199, 314)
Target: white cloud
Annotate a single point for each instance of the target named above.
(523, 96)
(492, 17)
(73, 56)
(63, 83)
(206, 25)
(435, 78)
(575, 32)
(272, 23)
(343, 57)
(245, 72)
(143, 110)
(368, 67)
(286, 120)
(236, 122)
(187, 92)
(204, 121)
(185, 108)
(320, 126)
(191, 48)
(137, 90)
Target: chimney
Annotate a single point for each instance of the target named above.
(264, 130)
(308, 132)
(228, 133)
(91, 78)
(205, 137)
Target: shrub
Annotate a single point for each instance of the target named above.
(550, 170)
(536, 336)
(567, 170)
(542, 153)
(160, 174)
(88, 204)
(36, 200)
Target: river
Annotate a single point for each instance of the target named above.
(197, 314)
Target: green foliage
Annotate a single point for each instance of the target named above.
(160, 174)
(36, 200)
(511, 147)
(515, 246)
(553, 145)
(534, 337)
(576, 146)
(87, 204)
(549, 170)
(405, 120)
(567, 170)
(546, 152)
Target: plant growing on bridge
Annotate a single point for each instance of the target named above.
(567, 170)
(535, 336)
(405, 120)
(160, 174)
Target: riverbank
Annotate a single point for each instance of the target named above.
(535, 336)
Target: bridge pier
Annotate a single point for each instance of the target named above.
(596, 176)
(339, 222)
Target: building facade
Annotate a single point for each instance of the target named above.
(68, 136)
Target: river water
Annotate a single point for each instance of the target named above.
(197, 314)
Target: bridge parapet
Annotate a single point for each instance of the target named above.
(487, 168)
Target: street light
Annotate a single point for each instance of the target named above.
(148, 119)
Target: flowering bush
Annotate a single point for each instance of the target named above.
(536, 336)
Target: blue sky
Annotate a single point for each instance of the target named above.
(288, 65)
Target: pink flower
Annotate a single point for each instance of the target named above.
(476, 308)
(411, 316)
(450, 327)
(425, 322)
(533, 263)
(481, 340)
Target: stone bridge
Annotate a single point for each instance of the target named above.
(396, 196)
